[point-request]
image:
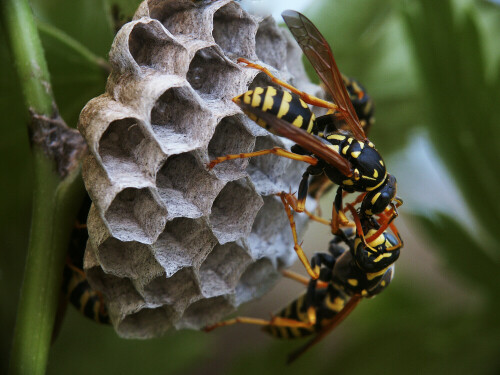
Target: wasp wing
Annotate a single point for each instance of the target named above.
(353, 302)
(318, 51)
(311, 143)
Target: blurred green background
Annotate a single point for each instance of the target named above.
(433, 70)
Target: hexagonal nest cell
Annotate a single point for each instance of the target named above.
(271, 230)
(179, 17)
(224, 143)
(210, 309)
(127, 259)
(229, 21)
(232, 208)
(271, 172)
(255, 276)
(135, 215)
(186, 187)
(210, 74)
(153, 49)
(184, 243)
(222, 269)
(147, 320)
(122, 147)
(179, 122)
(172, 243)
(180, 289)
(271, 44)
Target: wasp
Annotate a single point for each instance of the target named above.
(76, 287)
(359, 264)
(334, 144)
(364, 108)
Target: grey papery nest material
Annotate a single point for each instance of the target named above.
(172, 243)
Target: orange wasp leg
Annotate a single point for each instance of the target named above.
(389, 214)
(298, 249)
(338, 217)
(79, 225)
(276, 321)
(302, 279)
(76, 269)
(382, 228)
(275, 150)
(297, 206)
(310, 99)
(396, 233)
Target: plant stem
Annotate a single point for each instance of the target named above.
(57, 190)
(54, 207)
(28, 55)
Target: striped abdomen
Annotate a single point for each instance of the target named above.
(81, 295)
(282, 104)
(361, 101)
(75, 284)
(327, 302)
(296, 311)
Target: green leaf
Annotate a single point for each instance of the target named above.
(96, 349)
(462, 111)
(462, 253)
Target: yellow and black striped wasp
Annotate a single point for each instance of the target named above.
(76, 287)
(359, 264)
(346, 157)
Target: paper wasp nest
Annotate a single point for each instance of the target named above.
(172, 243)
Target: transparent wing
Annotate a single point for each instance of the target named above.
(309, 142)
(318, 51)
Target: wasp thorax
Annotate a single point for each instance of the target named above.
(172, 243)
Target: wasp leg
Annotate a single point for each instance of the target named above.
(298, 249)
(302, 193)
(275, 150)
(389, 214)
(323, 264)
(276, 321)
(79, 225)
(301, 279)
(396, 233)
(359, 231)
(338, 217)
(318, 260)
(336, 247)
(294, 204)
(388, 222)
(295, 277)
(304, 188)
(310, 99)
